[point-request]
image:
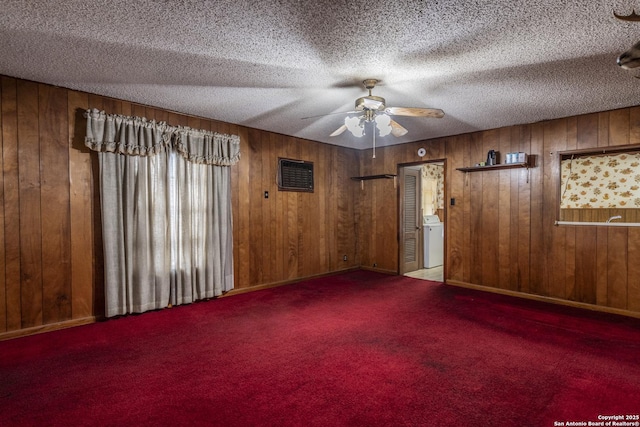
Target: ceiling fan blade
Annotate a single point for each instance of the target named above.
(415, 112)
(396, 129)
(329, 114)
(339, 130)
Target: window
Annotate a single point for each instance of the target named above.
(600, 187)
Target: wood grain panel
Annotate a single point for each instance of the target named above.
(56, 234)
(586, 265)
(255, 209)
(304, 251)
(266, 178)
(455, 220)
(337, 205)
(308, 238)
(13, 272)
(634, 125)
(522, 214)
(81, 208)
(467, 260)
(317, 205)
(554, 140)
(363, 215)
(570, 263)
(30, 207)
(291, 240)
(603, 129)
(476, 206)
(330, 209)
(348, 204)
(506, 228)
(242, 221)
(587, 132)
(571, 143)
(538, 256)
(490, 217)
(619, 127)
(277, 209)
(617, 267)
(602, 267)
(387, 252)
(633, 274)
(163, 116)
(381, 221)
(124, 107)
(3, 289)
(390, 192)
(511, 142)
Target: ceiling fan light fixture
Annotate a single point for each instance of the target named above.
(383, 123)
(354, 125)
(370, 103)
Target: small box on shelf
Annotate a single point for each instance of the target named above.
(519, 157)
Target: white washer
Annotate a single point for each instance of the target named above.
(433, 241)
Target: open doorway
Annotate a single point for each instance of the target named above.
(422, 218)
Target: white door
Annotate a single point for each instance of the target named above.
(411, 224)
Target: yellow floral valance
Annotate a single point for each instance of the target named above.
(137, 136)
(601, 181)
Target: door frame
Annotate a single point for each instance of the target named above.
(400, 190)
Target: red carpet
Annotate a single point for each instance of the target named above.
(358, 349)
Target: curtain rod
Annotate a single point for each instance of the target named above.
(599, 150)
(600, 224)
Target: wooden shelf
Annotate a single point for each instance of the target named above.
(494, 167)
(368, 177)
(362, 179)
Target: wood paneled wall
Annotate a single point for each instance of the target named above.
(46, 224)
(291, 235)
(51, 272)
(600, 214)
(377, 219)
(500, 233)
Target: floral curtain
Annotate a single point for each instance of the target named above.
(435, 172)
(601, 181)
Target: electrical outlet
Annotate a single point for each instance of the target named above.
(344, 258)
(375, 264)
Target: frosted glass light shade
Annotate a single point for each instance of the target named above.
(354, 126)
(383, 123)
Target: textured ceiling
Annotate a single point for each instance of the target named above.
(268, 64)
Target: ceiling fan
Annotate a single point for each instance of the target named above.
(374, 110)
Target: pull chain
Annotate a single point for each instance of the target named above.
(374, 140)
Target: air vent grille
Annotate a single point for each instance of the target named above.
(295, 175)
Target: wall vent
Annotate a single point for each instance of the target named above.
(295, 175)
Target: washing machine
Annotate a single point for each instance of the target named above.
(433, 241)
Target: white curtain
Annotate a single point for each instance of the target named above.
(166, 211)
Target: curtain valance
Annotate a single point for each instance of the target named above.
(137, 136)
